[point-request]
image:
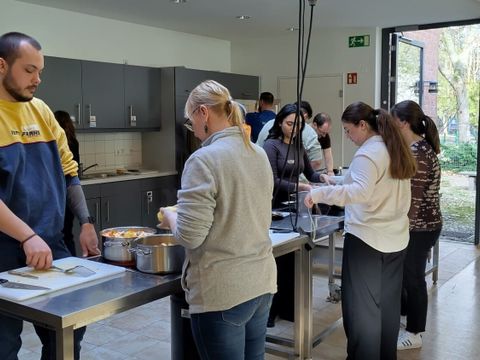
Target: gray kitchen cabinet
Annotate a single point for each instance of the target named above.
(127, 203)
(142, 97)
(92, 196)
(61, 86)
(178, 82)
(156, 193)
(120, 204)
(103, 97)
(187, 79)
(244, 87)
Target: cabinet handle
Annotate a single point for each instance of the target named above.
(132, 118)
(89, 108)
(107, 204)
(149, 200)
(96, 211)
(79, 114)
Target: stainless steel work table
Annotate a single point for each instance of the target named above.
(304, 341)
(74, 307)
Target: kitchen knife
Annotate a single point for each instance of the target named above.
(23, 274)
(16, 285)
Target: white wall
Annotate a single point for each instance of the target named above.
(73, 35)
(272, 58)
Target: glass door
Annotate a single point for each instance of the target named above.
(409, 70)
(425, 66)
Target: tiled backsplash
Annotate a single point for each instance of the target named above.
(111, 150)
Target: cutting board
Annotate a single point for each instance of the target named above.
(56, 280)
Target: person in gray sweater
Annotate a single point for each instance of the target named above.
(222, 219)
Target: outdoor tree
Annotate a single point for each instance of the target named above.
(459, 66)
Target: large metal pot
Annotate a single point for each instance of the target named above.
(158, 254)
(116, 242)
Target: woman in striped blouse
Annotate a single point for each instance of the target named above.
(425, 217)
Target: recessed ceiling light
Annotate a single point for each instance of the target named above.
(292, 29)
(242, 17)
(178, 1)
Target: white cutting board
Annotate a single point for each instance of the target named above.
(55, 280)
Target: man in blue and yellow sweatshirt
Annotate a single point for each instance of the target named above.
(37, 176)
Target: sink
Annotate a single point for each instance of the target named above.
(98, 175)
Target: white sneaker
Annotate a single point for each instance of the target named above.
(407, 340)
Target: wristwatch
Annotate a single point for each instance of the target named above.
(87, 220)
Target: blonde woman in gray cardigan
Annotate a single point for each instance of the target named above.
(222, 220)
(376, 196)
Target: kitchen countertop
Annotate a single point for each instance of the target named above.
(144, 174)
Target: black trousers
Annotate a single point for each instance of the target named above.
(284, 299)
(371, 288)
(414, 290)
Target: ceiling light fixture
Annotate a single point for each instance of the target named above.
(292, 29)
(178, 1)
(243, 17)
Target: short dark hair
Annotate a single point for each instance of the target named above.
(305, 107)
(267, 97)
(10, 43)
(322, 118)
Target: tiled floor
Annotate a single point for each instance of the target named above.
(452, 330)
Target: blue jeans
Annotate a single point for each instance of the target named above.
(234, 334)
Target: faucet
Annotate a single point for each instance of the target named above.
(82, 170)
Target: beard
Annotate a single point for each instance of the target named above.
(12, 88)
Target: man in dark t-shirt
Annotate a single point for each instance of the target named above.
(321, 123)
(265, 113)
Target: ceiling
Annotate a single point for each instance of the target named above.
(216, 18)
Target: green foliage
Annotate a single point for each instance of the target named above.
(461, 157)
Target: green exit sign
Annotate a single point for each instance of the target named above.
(358, 41)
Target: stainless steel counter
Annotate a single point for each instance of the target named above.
(304, 340)
(75, 307)
(78, 306)
(98, 179)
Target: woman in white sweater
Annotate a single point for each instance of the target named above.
(222, 220)
(376, 196)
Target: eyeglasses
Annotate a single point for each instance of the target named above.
(188, 123)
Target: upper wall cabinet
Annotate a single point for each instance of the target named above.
(178, 82)
(102, 96)
(142, 97)
(240, 86)
(61, 86)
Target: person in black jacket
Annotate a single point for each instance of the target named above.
(63, 118)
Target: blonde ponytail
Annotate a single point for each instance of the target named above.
(217, 97)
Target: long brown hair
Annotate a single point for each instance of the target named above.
(402, 162)
(217, 97)
(420, 123)
(66, 123)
